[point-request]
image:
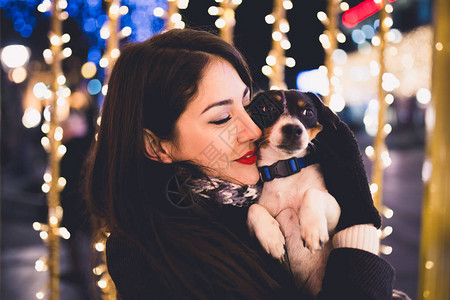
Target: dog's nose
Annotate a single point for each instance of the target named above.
(291, 131)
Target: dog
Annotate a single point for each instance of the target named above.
(295, 209)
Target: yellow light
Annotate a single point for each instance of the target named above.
(45, 188)
(58, 134)
(274, 87)
(344, 6)
(285, 44)
(271, 60)
(18, 75)
(63, 15)
(284, 27)
(376, 41)
(220, 23)
(426, 294)
(439, 46)
(53, 220)
(45, 142)
(290, 62)
(373, 188)
(386, 250)
(115, 53)
(270, 19)
(40, 295)
(387, 212)
(102, 284)
(322, 16)
(104, 33)
(277, 36)
(287, 4)
(103, 62)
(67, 52)
(341, 38)
(183, 4)
(387, 231)
(387, 128)
(61, 79)
(88, 70)
(176, 17)
(389, 8)
(55, 40)
(158, 12)
(62, 4)
(213, 10)
(126, 31)
(369, 151)
(36, 226)
(388, 22)
(266, 70)
(31, 117)
(65, 38)
(47, 177)
(114, 9)
(99, 247)
(337, 103)
(43, 235)
(237, 2)
(429, 264)
(62, 181)
(64, 233)
(389, 99)
(123, 10)
(62, 149)
(179, 25)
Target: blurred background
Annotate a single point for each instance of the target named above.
(26, 88)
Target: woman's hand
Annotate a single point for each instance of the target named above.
(343, 170)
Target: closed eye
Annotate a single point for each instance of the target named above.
(307, 112)
(222, 121)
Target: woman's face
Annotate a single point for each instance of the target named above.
(215, 130)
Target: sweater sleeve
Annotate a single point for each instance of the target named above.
(132, 275)
(356, 274)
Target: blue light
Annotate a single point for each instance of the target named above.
(358, 36)
(90, 25)
(94, 54)
(26, 31)
(94, 87)
(315, 81)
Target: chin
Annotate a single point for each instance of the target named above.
(247, 176)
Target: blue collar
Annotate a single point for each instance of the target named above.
(286, 167)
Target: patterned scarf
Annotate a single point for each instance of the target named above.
(226, 192)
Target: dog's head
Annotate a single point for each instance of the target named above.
(289, 120)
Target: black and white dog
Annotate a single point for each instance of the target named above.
(295, 208)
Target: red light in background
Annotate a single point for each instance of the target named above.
(356, 14)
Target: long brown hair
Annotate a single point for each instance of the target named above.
(150, 86)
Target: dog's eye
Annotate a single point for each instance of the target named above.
(308, 112)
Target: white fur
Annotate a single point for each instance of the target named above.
(294, 209)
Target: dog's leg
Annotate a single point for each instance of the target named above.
(313, 219)
(267, 230)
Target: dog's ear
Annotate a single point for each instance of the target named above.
(325, 114)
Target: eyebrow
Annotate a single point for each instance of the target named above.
(224, 102)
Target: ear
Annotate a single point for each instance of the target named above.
(325, 114)
(155, 148)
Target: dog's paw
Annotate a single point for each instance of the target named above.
(272, 240)
(314, 236)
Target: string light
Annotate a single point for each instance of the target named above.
(226, 20)
(276, 59)
(172, 17)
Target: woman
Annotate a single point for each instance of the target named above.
(174, 117)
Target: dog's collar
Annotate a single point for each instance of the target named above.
(286, 167)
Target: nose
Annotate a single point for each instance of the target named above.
(249, 131)
(291, 131)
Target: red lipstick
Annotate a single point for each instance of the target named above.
(248, 158)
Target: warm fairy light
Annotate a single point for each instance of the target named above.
(158, 12)
(389, 8)
(114, 9)
(287, 4)
(387, 128)
(31, 117)
(376, 41)
(344, 6)
(103, 62)
(284, 27)
(270, 19)
(45, 188)
(277, 36)
(55, 40)
(62, 181)
(53, 220)
(115, 53)
(62, 149)
(285, 44)
(213, 10)
(40, 295)
(220, 23)
(337, 103)
(389, 99)
(423, 96)
(58, 133)
(387, 212)
(36, 226)
(102, 283)
(388, 22)
(126, 31)
(386, 250)
(43, 235)
(45, 142)
(429, 264)
(179, 25)
(104, 33)
(61, 79)
(341, 38)
(290, 62)
(373, 188)
(266, 70)
(183, 4)
(18, 75)
(322, 16)
(67, 52)
(175, 18)
(47, 177)
(369, 151)
(62, 4)
(439, 46)
(88, 70)
(64, 233)
(387, 231)
(100, 247)
(104, 89)
(271, 60)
